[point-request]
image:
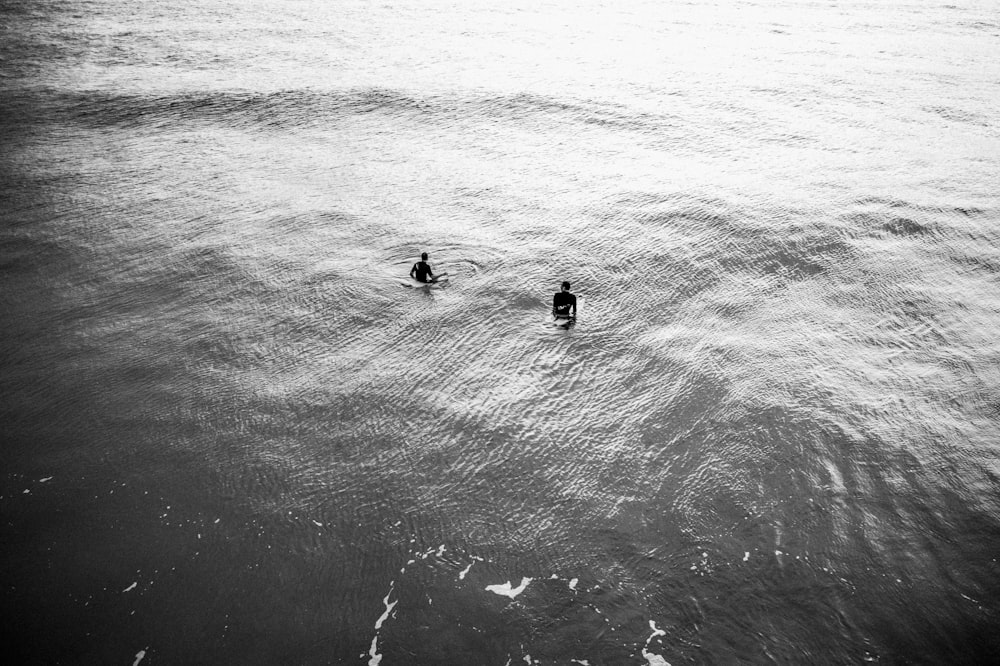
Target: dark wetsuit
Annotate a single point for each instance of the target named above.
(422, 272)
(562, 302)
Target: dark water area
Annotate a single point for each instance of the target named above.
(235, 431)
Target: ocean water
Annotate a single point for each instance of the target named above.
(235, 432)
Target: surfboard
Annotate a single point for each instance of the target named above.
(438, 281)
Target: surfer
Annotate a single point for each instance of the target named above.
(564, 303)
(421, 271)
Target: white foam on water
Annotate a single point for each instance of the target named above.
(373, 653)
(656, 632)
(506, 590)
(462, 574)
(439, 551)
(652, 658)
(388, 607)
(701, 567)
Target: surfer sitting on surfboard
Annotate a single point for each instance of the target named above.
(564, 303)
(421, 271)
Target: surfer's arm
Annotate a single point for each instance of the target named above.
(413, 269)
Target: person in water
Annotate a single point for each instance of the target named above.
(421, 271)
(564, 303)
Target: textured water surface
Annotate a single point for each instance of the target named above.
(235, 432)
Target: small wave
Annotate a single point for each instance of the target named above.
(878, 216)
(958, 115)
(276, 110)
(305, 108)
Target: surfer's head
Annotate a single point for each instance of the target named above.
(423, 256)
(565, 286)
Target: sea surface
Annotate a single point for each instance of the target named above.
(235, 432)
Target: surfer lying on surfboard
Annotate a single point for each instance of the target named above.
(421, 271)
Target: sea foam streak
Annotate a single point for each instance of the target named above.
(506, 590)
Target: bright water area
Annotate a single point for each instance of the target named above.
(234, 431)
